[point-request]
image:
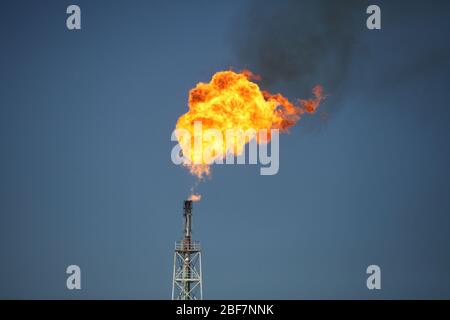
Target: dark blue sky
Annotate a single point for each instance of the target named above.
(86, 176)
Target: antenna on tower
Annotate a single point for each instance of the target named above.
(187, 262)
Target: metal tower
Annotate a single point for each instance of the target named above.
(187, 263)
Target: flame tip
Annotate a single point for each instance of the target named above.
(195, 197)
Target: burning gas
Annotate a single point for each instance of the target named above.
(232, 100)
(195, 197)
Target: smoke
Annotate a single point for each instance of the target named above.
(420, 55)
(298, 44)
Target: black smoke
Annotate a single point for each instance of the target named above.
(295, 45)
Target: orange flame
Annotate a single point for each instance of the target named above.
(232, 101)
(195, 197)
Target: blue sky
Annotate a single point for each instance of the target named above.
(86, 176)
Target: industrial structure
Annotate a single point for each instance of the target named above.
(187, 262)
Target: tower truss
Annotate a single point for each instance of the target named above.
(187, 263)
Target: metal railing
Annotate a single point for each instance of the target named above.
(187, 246)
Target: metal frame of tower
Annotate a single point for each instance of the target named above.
(187, 263)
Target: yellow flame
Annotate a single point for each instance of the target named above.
(232, 101)
(195, 197)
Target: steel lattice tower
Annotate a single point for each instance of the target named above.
(187, 263)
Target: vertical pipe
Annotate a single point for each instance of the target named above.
(201, 275)
(187, 219)
(187, 247)
(174, 273)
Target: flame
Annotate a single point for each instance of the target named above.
(232, 100)
(195, 197)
